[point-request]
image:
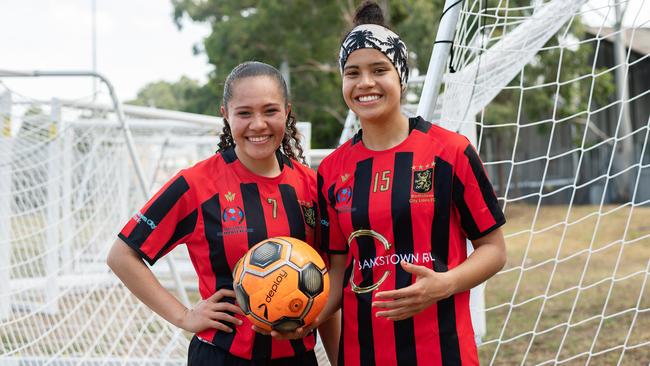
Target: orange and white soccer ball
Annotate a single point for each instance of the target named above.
(281, 283)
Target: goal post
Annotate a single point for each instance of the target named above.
(5, 202)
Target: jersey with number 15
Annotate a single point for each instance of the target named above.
(416, 202)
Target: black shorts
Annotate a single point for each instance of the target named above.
(204, 354)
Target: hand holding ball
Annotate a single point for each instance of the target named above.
(281, 284)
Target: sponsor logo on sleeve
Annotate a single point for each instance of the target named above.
(141, 218)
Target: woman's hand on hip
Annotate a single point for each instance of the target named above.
(212, 313)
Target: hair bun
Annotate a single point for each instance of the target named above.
(369, 12)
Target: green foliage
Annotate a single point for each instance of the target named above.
(184, 95)
(307, 35)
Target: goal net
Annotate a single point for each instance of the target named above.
(556, 96)
(67, 185)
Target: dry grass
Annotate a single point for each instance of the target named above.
(571, 288)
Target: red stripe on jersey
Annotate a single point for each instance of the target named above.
(350, 329)
(380, 204)
(428, 341)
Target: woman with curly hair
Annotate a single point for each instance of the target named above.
(253, 188)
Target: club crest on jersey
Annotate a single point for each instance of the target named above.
(309, 214)
(422, 180)
(233, 215)
(344, 195)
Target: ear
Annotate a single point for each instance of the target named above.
(288, 109)
(223, 112)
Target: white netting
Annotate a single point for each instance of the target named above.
(561, 122)
(67, 185)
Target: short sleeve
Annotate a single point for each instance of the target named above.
(474, 196)
(168, 219)
(330, 236)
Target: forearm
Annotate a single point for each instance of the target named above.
(139, 279)
(488, 258)
(336, 273)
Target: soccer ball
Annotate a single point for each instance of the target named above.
(281, 283)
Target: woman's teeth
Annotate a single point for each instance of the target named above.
(368, 98)
(258, 138)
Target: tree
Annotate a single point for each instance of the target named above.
(305, 34)
(184, 95)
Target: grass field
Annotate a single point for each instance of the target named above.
(588, 271)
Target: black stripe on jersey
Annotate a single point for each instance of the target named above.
(442, 178)
(212, 221)
(293, 211)
(298, 345)
(255, 221)
(158, 210)
(418, 123)
(449, 346)
(323, 220)
(403, 229)
(283, 159)
(357, 137)
(330, 195)
(296, 230)
(366, 245)
(213, 227)
(184, 227)
(256, 227)
(229, 155)
(466, 218)
(484, 183)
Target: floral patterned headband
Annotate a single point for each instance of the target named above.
(382, 39)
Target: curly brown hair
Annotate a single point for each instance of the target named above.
(291, 140)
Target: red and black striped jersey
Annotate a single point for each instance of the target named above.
(417, 202)
(219, 209)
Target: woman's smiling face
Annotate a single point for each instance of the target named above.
(371, 86)
(257, 114)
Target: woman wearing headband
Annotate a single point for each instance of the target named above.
(397, 203)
